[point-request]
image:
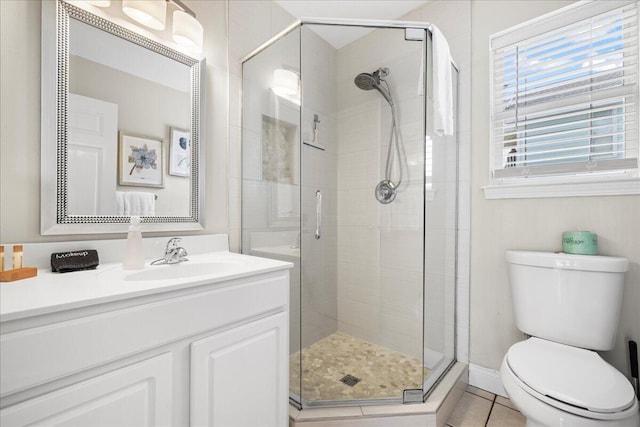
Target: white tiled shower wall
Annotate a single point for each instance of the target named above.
(253, 22)
(380, 246)
(320, 276)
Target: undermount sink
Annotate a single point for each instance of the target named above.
(200, 268)
(182, 270)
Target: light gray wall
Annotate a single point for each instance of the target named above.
(20, 121)
(498, 225)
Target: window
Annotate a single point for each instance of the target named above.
(564, 98)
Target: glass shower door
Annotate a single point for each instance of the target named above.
(362, 260)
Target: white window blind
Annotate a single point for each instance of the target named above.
(565, 94)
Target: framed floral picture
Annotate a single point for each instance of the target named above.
(180, 153)
(140, 161)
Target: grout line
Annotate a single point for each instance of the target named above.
(505, 406)
(493, 403)
(485, 398)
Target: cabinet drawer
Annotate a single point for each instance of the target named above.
(35, 356)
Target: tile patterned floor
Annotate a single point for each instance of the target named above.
(479, 408)
(382, 372)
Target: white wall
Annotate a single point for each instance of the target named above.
(20, 121)
(498, 225)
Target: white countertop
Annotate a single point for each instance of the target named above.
(53, 292)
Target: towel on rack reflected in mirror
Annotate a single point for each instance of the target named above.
(140, 203)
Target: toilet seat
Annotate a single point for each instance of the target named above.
(572, 379)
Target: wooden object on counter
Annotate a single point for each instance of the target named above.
(18, 274)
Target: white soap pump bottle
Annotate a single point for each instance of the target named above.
(133, 259)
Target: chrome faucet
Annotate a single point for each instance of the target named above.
(173, 254)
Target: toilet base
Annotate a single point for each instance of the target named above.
(540, 414)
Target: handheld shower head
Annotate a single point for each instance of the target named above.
(387, 188)
(368, 81)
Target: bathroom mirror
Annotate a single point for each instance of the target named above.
(121, 131)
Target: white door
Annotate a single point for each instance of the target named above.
(239, 378)
(92, 156)
(136, 395)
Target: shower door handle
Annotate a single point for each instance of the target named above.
(318, 213)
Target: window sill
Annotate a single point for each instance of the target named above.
(555, 189)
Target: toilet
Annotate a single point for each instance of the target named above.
(570, 306)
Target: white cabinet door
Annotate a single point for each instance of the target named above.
(136, 395)
(239, 377)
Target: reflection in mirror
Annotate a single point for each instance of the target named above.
(118, 88)
(127, 127)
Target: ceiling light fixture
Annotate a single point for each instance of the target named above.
(187, 31)
(150, 13)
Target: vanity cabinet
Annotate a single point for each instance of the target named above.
(208, 355)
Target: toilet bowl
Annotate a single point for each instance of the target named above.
(558, 385)
(569, 305)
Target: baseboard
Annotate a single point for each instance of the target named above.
(486, 379)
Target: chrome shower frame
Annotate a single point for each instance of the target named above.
(414, 31)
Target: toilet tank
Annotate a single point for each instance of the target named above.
(570, 299)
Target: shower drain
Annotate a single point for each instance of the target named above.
(350, 380)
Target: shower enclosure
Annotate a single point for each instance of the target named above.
(344, 176)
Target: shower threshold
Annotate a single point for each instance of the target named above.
(434, 411)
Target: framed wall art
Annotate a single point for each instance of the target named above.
(140, 161)
(180, 153)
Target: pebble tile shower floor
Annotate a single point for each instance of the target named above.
(382, 372)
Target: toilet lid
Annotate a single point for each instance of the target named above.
(571, 375)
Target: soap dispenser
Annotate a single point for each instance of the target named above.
(133, 259)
